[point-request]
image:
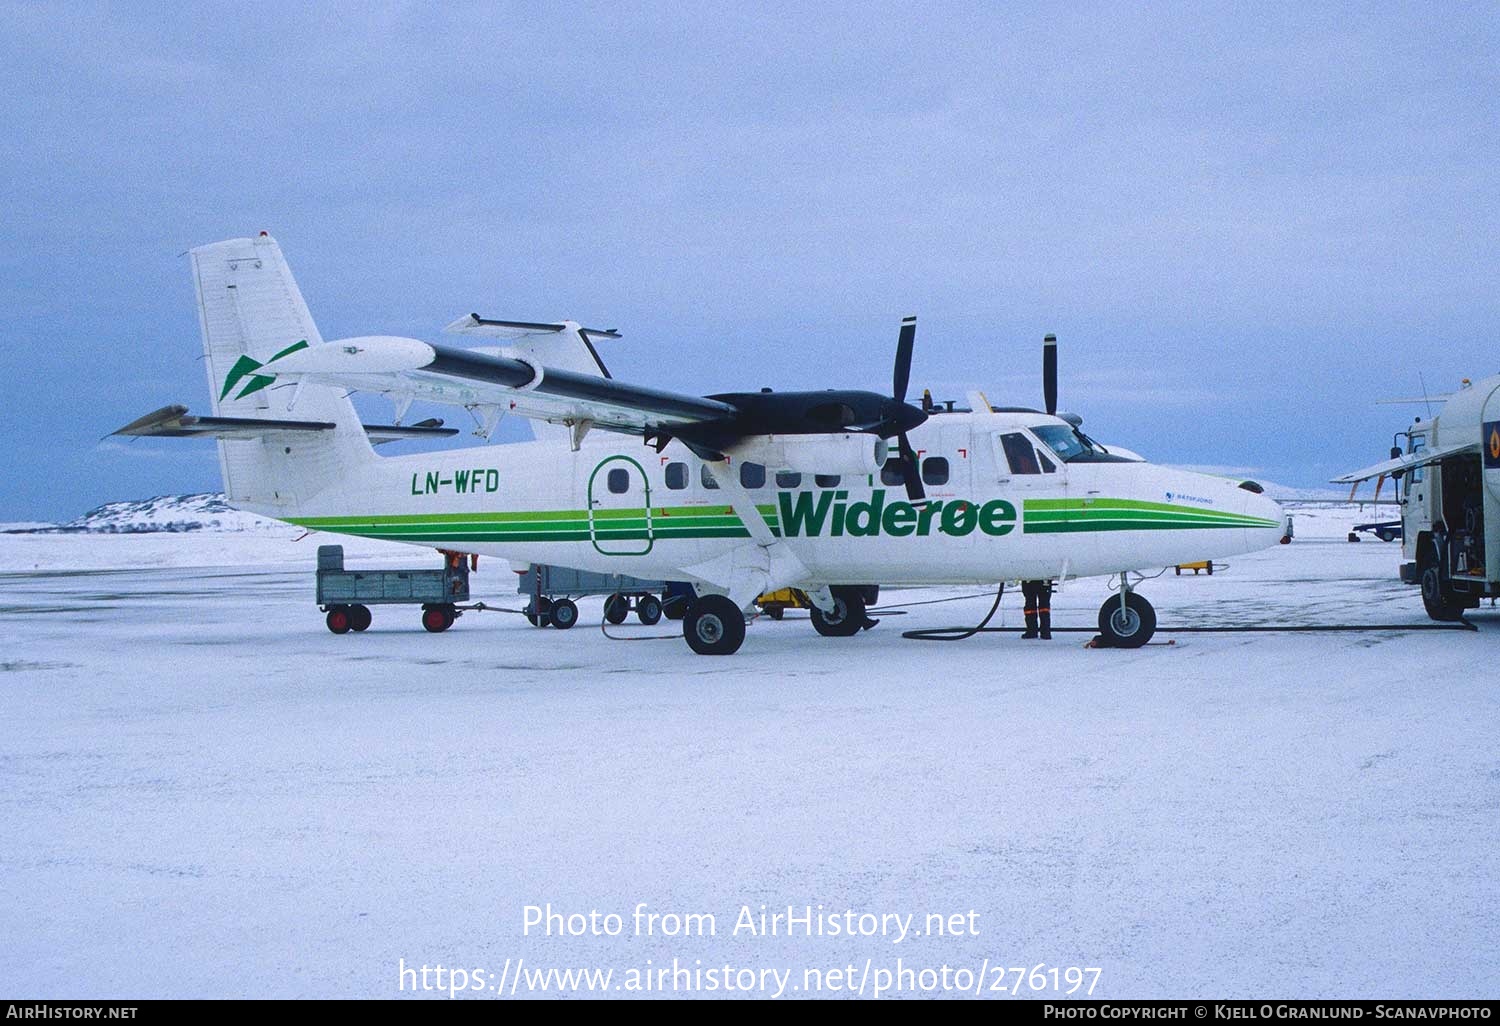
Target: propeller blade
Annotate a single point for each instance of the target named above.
(910, 471)
(904, 346)
(1049, 373)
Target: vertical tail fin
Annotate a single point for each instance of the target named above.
(250, 310)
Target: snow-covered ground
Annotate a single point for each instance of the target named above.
(203, 792)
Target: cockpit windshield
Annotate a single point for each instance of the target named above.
(1067, 442)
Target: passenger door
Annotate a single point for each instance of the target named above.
(619, 498)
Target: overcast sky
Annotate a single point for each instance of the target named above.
(1244, 222)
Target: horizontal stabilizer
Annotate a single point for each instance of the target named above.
(177, 422)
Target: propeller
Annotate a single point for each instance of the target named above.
(901, 380)
(1049, 374)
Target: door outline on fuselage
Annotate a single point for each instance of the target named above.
(600, 503)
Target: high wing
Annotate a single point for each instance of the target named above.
(490, 383)
(521, 379)
(1407, 461)
(177, 422)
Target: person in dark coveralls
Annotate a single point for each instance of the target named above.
(1038, 609)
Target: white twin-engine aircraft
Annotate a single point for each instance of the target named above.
(738, 494)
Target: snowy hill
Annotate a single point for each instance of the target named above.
(174, 514)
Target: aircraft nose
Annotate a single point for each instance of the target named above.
(1264, 508)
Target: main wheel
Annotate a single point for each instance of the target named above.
(564, 614)
(847, 618)
(616, 607)
(1130, 627)
(714, 626)
(437, 618)
(359, 618)
(1439, 600)
(648, 610)
(339, 621)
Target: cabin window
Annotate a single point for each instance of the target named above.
(935, 470)
(1019, 454)
(891, 474)
(788, 479)
(619, 481)
(707, 478)
(677, 476)
(826, 480)
(752, 475)
(1048, 467)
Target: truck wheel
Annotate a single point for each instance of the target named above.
(847, 618)
(616, 607)
(714, 626)
(648, 610)
(1130, 627)
(1438, 600)
(437, 619)
(564, 614)
(339, 620)
(359, 618)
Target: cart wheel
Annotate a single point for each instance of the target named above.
(648, 609)
(564, 614)
(616, 607)
(437, 619)
(776, 612)
(540, 613)
(338, 620)
(359, 618)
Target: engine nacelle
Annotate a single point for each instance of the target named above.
(813, 454)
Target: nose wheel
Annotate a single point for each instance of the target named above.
(1126, 620)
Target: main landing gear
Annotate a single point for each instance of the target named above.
(714, 625)
(847, 618)
(1126, 620)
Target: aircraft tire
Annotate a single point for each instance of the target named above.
(359, 618)
(564, 614)
(1131, 627)
(714, 626)
(616, 608)
(338, 620)
(847, 618)
(648, 610)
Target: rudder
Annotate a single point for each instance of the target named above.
(250, 310)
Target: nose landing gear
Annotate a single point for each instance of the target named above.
(1126, 620)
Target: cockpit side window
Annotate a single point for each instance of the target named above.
(1020, 454)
